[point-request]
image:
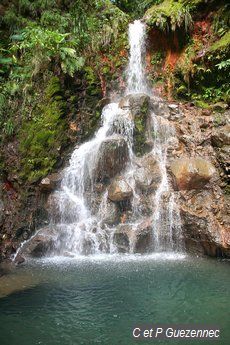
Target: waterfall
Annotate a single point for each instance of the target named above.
(115, 195)
(136, 78)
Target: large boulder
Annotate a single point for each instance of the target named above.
(119, 190)
(42, 243)
(121, 238)
(113, 156)
(148, 175)
(193, 173)
(138, 104)
(143, 236)
(135, 238)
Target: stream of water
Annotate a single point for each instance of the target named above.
(98, 298)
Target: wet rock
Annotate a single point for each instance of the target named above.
(110, 215)
(138, 104)
(193, 173)
(143, 237)
(148, 175)
(42, 243)
(40, 218)
(203, 234)
(19, 259)
(50, 182)
(134, 238)
(52, 206)
(159, 108)
(119, 190)
(221, 136)
(121, 238)
(113, 158)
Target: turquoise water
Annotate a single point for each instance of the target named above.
(99, 300)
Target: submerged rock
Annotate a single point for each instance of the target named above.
(119, 190)
(193, 173)
(113, 158)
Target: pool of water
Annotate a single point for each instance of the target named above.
(98, 300)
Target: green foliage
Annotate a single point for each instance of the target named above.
(135, 8)
(221, 44)
(40, 47)
(41, 137)
(221, 20)
(170, 15)
(223, 64)
(8, 127)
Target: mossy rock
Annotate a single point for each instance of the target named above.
(41, 137)
(139, 106)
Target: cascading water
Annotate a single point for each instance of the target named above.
(136, 81)
(112, 198)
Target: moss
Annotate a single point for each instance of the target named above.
(222, 44)
(202, 104)
(139, 129)
(41, 137)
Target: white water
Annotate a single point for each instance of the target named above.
(83, 211)
(136, 78)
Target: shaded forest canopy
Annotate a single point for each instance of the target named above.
(58, 58)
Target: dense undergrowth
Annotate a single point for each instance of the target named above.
(46, 41)
(192, 61)
(58, 58)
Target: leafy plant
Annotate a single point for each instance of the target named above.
(40, 47)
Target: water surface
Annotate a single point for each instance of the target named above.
(97, 300)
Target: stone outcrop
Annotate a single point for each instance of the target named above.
(138, 105)
(113, 158)
(136, 238)
(148, 175)
(204, 234)
(50, 182)
(119, 190)
(42, 243)
(221, 136)
(193, 173)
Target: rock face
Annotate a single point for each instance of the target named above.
(51, 182)
(221, 136)
(136, 239)
(193, 173)
(119, 190)
(113, 158)
(203, 234)
(40, 244)
(148, 175)
(139, 107)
